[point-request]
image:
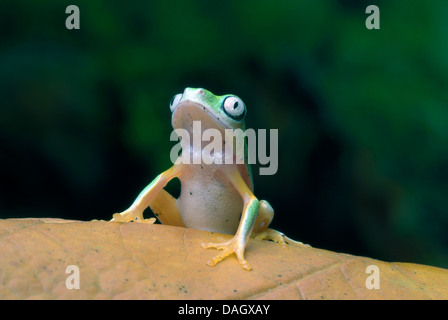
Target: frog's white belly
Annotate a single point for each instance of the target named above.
(208, 203)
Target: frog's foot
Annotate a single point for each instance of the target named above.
(278, 237)
(229, 247)
(129, 215)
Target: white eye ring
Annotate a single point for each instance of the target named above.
(234, 108)
(174, 101)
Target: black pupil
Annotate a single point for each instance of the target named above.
(172, 100)
(235, 105)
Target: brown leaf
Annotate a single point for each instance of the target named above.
(141, 261)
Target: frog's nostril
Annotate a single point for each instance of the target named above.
(201, 92)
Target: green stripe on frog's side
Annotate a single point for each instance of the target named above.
(248, 222)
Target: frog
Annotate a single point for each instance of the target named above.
(217, 197)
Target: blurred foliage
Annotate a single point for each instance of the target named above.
(362, 114)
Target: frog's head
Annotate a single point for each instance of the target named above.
(217, 112)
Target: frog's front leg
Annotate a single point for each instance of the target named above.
(238, 243)
(153, 193)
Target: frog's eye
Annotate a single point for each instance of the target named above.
(234, 108)
(174, 101)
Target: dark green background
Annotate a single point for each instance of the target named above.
(362, 114)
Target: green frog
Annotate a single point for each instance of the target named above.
(216, 197)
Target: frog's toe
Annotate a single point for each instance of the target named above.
(278, 237)
(149, 221)
(271, 234)
(296, 243)
(118, 217)
(214, 261)
(219, 246)
(228, 248)
(128, 216)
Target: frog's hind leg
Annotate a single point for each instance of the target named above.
(262, 232)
